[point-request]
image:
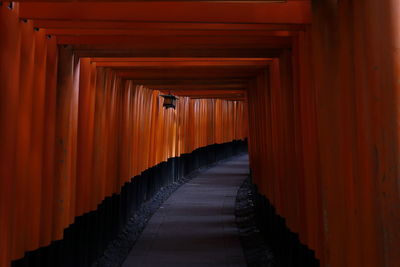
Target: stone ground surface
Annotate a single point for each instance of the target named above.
(196, 225)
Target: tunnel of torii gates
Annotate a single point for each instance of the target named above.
(312, 84)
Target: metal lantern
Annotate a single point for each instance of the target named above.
(169, 101)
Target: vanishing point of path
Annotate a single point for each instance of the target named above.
(196, 225)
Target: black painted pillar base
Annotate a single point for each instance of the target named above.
(87, 238)
(287, 249)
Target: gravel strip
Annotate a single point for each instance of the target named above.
(256, 251)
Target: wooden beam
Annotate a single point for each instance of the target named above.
(152, 33)
(183, 64)
(186, 88)
(253, 12)
(199, 73)
(172, 59)
(55, 24)
(192, 82)
(203, 92)
(176, 42)
(121, 52)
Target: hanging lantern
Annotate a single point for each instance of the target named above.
(169, 101)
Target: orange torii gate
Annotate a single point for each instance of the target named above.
(316, 81)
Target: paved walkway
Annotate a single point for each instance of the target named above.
(196, 225)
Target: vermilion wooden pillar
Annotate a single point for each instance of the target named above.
(23, 135)
(49, 142)
(9, 99)
(85, 135)
(65, 150)
(356, 83)
(36, 130)
(307, 145)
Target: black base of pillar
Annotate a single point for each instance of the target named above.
(87, 238)
(283, 245)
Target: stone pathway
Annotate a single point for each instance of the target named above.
(196, 225)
